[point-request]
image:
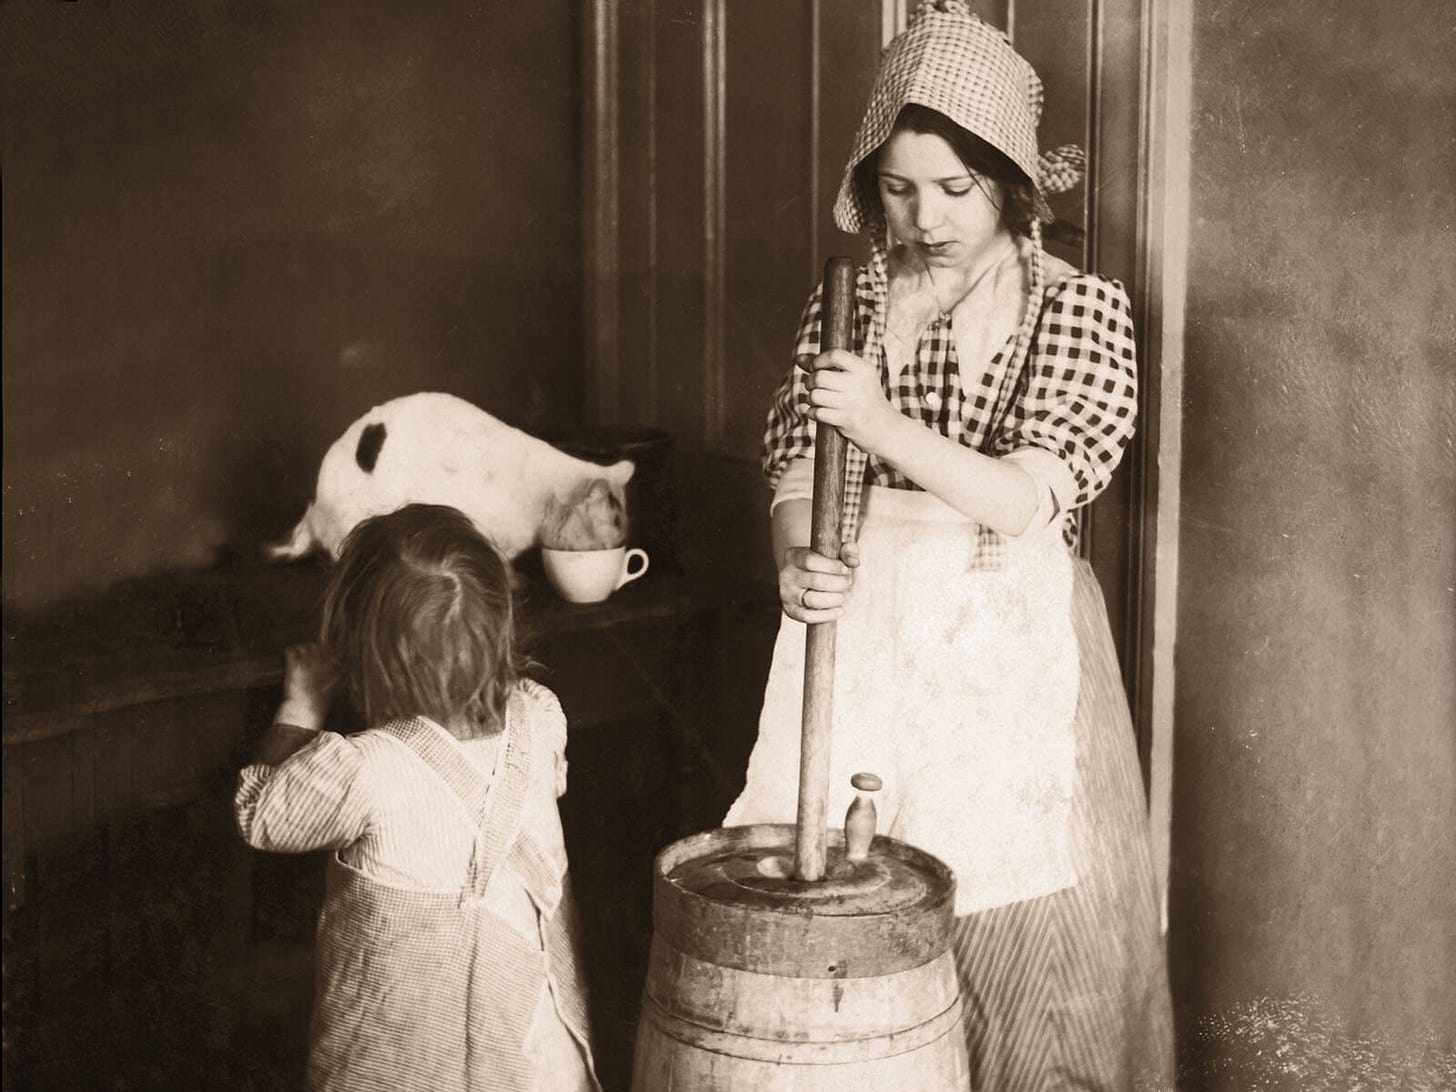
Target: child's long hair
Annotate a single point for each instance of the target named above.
(418, 621)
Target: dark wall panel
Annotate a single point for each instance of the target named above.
(230, 229)
(1314, 841)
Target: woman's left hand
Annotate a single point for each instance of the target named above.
(806, 573)
(845, 391)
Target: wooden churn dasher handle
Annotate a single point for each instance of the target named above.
(836, 332)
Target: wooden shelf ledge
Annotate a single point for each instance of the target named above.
(185, 634)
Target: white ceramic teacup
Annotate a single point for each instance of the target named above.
(589, 576)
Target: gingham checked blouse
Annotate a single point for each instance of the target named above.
(1076, 396)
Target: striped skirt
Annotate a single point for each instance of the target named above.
(1070, 990)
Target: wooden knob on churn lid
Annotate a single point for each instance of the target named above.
(861, 819)
(867, 782)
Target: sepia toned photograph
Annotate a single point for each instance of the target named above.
(713, 545)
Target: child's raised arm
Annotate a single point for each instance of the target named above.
(308, 683)
(305, 789)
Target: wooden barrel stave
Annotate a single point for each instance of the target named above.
(674, 1056)
(822, 1010)
(755, 983)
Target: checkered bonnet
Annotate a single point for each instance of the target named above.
(953, 62)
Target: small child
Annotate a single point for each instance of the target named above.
(447, 941)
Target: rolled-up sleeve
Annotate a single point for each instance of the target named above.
(1080, 401)
(789, 434)
(318, 798)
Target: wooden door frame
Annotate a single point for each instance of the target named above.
(1160, 302)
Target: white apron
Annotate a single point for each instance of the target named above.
(957, 686)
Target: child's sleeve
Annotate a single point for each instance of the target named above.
(548, 722)
(317, 798)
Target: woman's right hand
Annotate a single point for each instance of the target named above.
(812, 587)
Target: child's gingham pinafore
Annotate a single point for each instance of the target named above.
(431, 990)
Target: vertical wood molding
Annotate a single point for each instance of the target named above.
(894, 14)
(601, 225)
(1164, 173)
(714, 223)
(1096, 47)
(1109, 217)
(652, 409)
(816, 106)
(1091, 144)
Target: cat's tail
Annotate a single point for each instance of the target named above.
(300, 543)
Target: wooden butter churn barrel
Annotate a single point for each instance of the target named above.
(758, 980)
(785, 958)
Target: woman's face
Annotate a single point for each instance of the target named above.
(934, 204)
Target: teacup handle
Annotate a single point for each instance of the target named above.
(628, 575)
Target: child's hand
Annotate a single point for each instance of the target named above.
(308, 683)
(812, 588)
(845, 392)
